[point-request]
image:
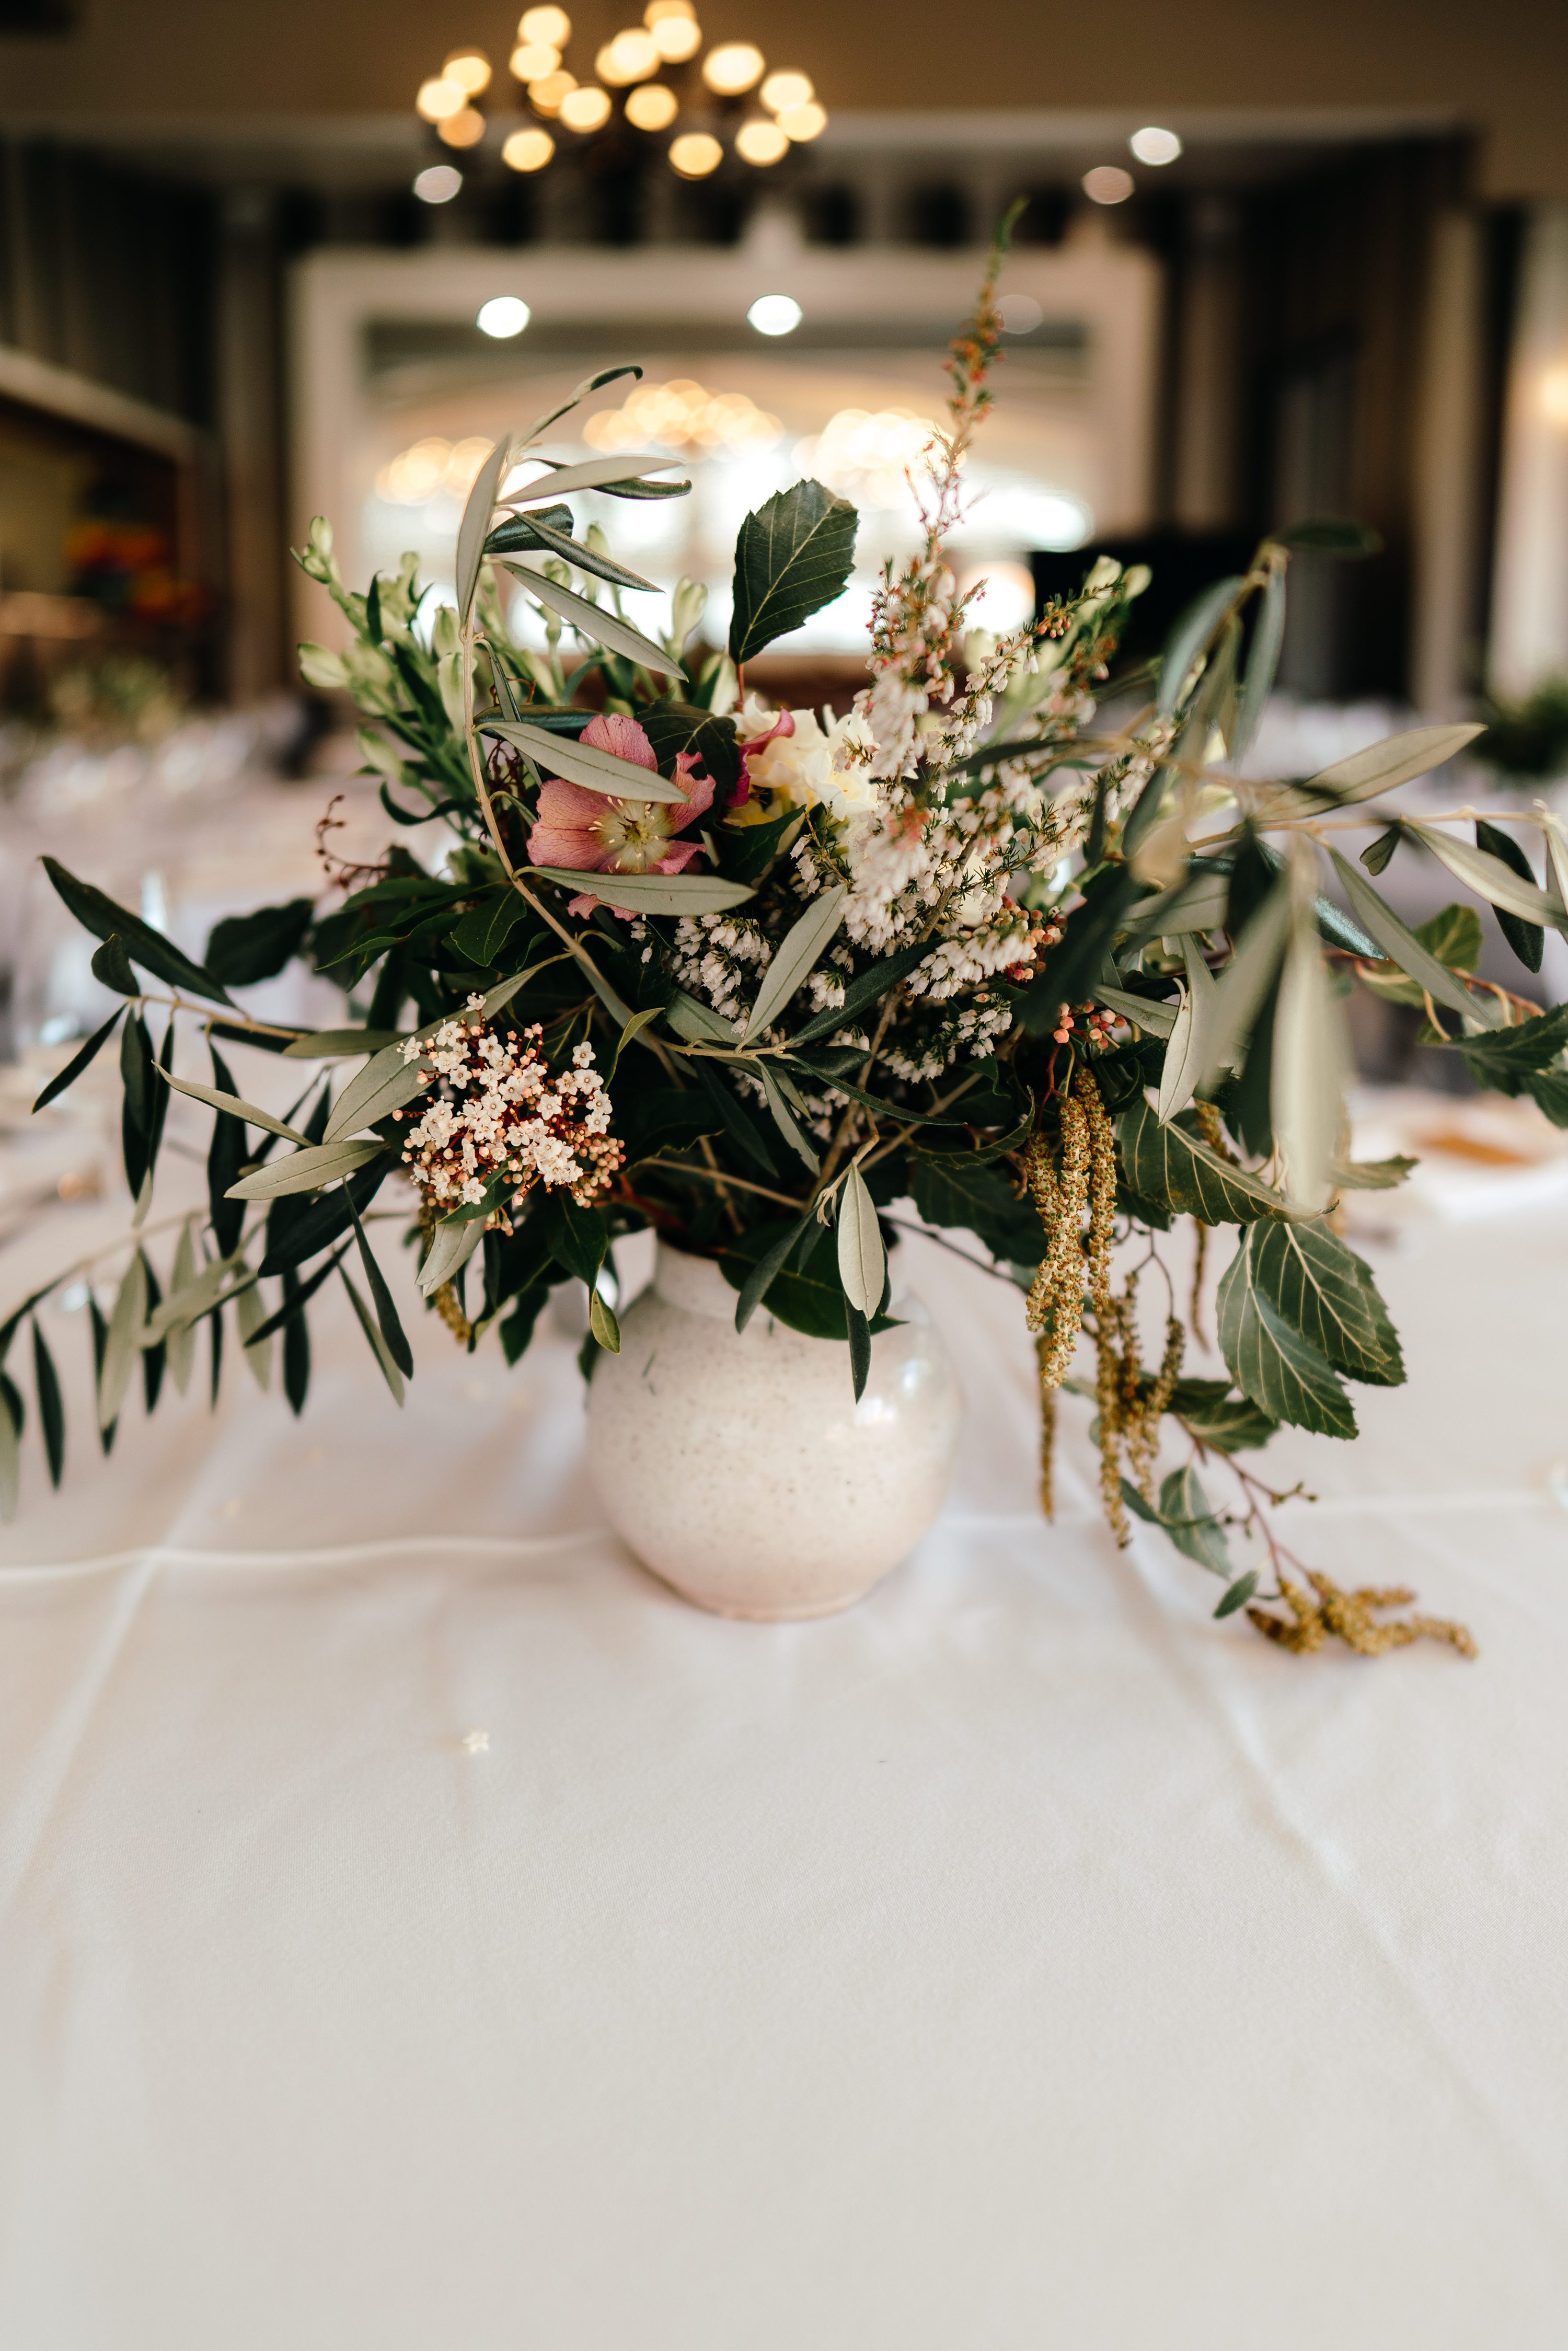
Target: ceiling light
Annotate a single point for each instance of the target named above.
(464, 130)
(527, 150)
(439, 98)
(631, 56)
(550, 26)
(1107, 183)
(760, 143)
(1153, 145)
(676, 38)
(808, 121)
(774, 314)
(694, 154)
(733, 67)
(437, 183)
(551, 94)
(782, 90)
(1020, 314)
(651, 107)
(504, 316)
(532, 60)
(587, 109)
(469, 69)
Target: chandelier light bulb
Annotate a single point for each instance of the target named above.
(760, 143)
(1107, 183)
(781, 91)
(439, 98)
(803, 122)
(733, 67)
(503, 317)
(587, 109)
(551, 94)
(631, 56)
(774, 314)
(469, 69)
(651, 107)
(552, 26)
(527, 150)
(464, 130)
(1153, 145)
(532, 60)
(694, 154)
(437, 183)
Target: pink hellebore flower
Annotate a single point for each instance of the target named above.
(783, 724)
(594, 833)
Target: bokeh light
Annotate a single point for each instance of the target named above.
(774, 314)
(694, 154)
(631, 56)
(803, 122)
(551, 94)
(587, 109)
(785, 89)
(503, 317)
(651, 107)
(1107, 183)
(760, 143)
(464, 130)
(1153, 145)
(469, 69)
(437, 183)
(733, 67)
(552, 25)
(439, 98)
(527, 150)
(532, 60)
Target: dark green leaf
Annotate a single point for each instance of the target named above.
(1188, 1516)
(77, 1062)
(1230, 1424)
(100, 1347)
(519, 1327)
(298, 1223)
(226, 1158)
(485, 928)
(672, 727)
(958, 1192)
(296, 1295)
(296, 1338)
(537, 532)
(859, 1331)
(743, 1129)
(1376, 853)
(807, 1296)
(51, 1411)
(748, 849)
(1331, 535)
(153, 1359)
(791, 557)
(1262, 661)
(1506, 1057)
(246, 948)
(137, 1109)
(1284, 1373)
(147, 946)
(391, 1329)
(112, 964)
(867, 989)
(577, 1238)
(1527, 939)
(1238, 1595)
(215, 1341)
(1190, 638)
(1175, 1168)
(756, 1286)
(1325, 1292)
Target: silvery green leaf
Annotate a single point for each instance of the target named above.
(795, 957)
(697, 1022)
(1189, 1045)
(385, 1083)
(583, 764)
(1190, 639)
(1371, 1175)
(180, 1346)
(862, 1261)
(1245, 982)
(187, 1301)
(632, 468)
(451, 1247)
(475, 527)
(234, 1107)
(785, 1121)
(1188, 1516)
(1199, 903)
(590, 384)
(121, 1349)
(1556, 851)
(1490, 878)
(304, 1171)
(1262, 661)
(602, 628)
(1160, 1020)
(338, 1044)
(601, 1321)
(449, 684)
(250, 1313)
(377, 1344)
(1306, 1097)
(653, 893)
(1402, 947)
(1160, 858)
(1382, 767)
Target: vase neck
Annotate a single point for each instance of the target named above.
(693, 1283)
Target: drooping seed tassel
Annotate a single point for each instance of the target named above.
(1047, 1431)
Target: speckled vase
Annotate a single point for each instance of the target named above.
(737, 1464)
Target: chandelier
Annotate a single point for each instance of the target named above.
(655, 76)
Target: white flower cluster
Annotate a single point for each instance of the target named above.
(720, 957)
(500, 1111)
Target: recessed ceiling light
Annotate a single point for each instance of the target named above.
(503, 317)
(1153, 145)
(775, 314)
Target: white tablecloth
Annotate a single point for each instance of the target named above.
(422, 1931)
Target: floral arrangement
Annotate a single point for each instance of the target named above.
(771, 981)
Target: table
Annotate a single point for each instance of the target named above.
(423, 1931)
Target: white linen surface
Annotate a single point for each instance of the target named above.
(422, 1930)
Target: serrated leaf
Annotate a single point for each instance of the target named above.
(792, 556)
(1230, 1424)
(600, 627)
(795, 957)
(1283, 1372)
(101, 916)
(1371, 1175)
(583, 764)
(1512, 1053)
(120, 1350)
(1188, 1516)
(863, 1258)
(305, 1171)
(1168, 1165)
(1325, 1292)
(709, 735)
(653, 893)
(475, 527)
(79, 1060)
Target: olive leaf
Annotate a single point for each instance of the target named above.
(79, 1060)
(373, 1338)
(1188, 1050)
(1146, 1011)
(601, 628)
(451, 1247)
(1402, 946)
(1382, 767)
(593, 474)
(791, 557)
(784, 1118)
(584, 764)
(233, 1106)
(304, 1171)
(795, 956)
(121, 1347)
(653, 893)
(101, 916)
(475, 527)
(1262, 661)
(1528, 940)
(1243, 986)
(863, 1259)
(1490, 879)
(1306, 1093)
(1188, 640)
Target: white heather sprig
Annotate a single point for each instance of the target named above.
(501, 1112)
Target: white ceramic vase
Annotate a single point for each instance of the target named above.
(737, 1464)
